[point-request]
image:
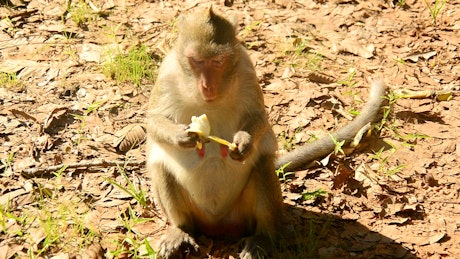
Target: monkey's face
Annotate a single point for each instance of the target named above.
(210, 74)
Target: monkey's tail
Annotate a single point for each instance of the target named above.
(319, 149)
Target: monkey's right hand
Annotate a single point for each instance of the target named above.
(186, 139)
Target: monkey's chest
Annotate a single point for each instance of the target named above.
(212, 183)
(216, 184)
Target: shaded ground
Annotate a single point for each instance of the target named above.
(395, 197)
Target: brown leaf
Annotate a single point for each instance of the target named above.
(423, 240)
(10, 250)
(129, 137)
(18, 113)
(4, 199)
(53, 116)
(344, 173)
(94, 251)
(61, 256)
(415, 57)
(353, 47)
(321, 78)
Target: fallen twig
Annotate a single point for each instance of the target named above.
(31, 172)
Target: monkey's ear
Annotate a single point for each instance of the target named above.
(180, 21)
(232, 18)
(211, 12)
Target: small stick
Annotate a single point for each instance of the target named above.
(31, 172)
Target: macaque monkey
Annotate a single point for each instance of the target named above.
(217, 191)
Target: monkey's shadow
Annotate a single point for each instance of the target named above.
(321, 235)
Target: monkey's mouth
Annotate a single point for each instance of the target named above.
(208, 95)
(209, 99)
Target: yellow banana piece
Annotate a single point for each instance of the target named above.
(200, 125)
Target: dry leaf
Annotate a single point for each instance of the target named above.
(91, 53)
(10, 250)
(321, 78)
(61, 256)
(421, 240)
(18, 113)
(50, 75)
(406, 93)
(129, 137)
(368, 178)
(4, 252)
(353, 47)
(53, 116)
(7, 197)
(427, 55)
(94, 251)
(325, 161)
(342, 175)
(443, 95)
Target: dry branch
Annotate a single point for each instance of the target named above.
(31, 172)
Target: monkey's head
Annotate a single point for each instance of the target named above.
(207, 51)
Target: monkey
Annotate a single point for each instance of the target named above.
(216, 191)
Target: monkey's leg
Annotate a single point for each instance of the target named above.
(170, 196)
(267, 209)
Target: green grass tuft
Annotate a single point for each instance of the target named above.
(136, 65)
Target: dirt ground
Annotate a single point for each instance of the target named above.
(395, 196)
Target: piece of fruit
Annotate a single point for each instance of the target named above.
(200, 125)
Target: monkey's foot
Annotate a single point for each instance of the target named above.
(255, 247)
(175, 243)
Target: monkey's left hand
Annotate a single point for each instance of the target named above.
(243, 142)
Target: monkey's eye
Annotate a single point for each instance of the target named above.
(196, 62)
(218, 62)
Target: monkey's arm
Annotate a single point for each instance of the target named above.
(247, 99)
(248, 137)
(163, 129)
(254, 122)
(322, 147)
